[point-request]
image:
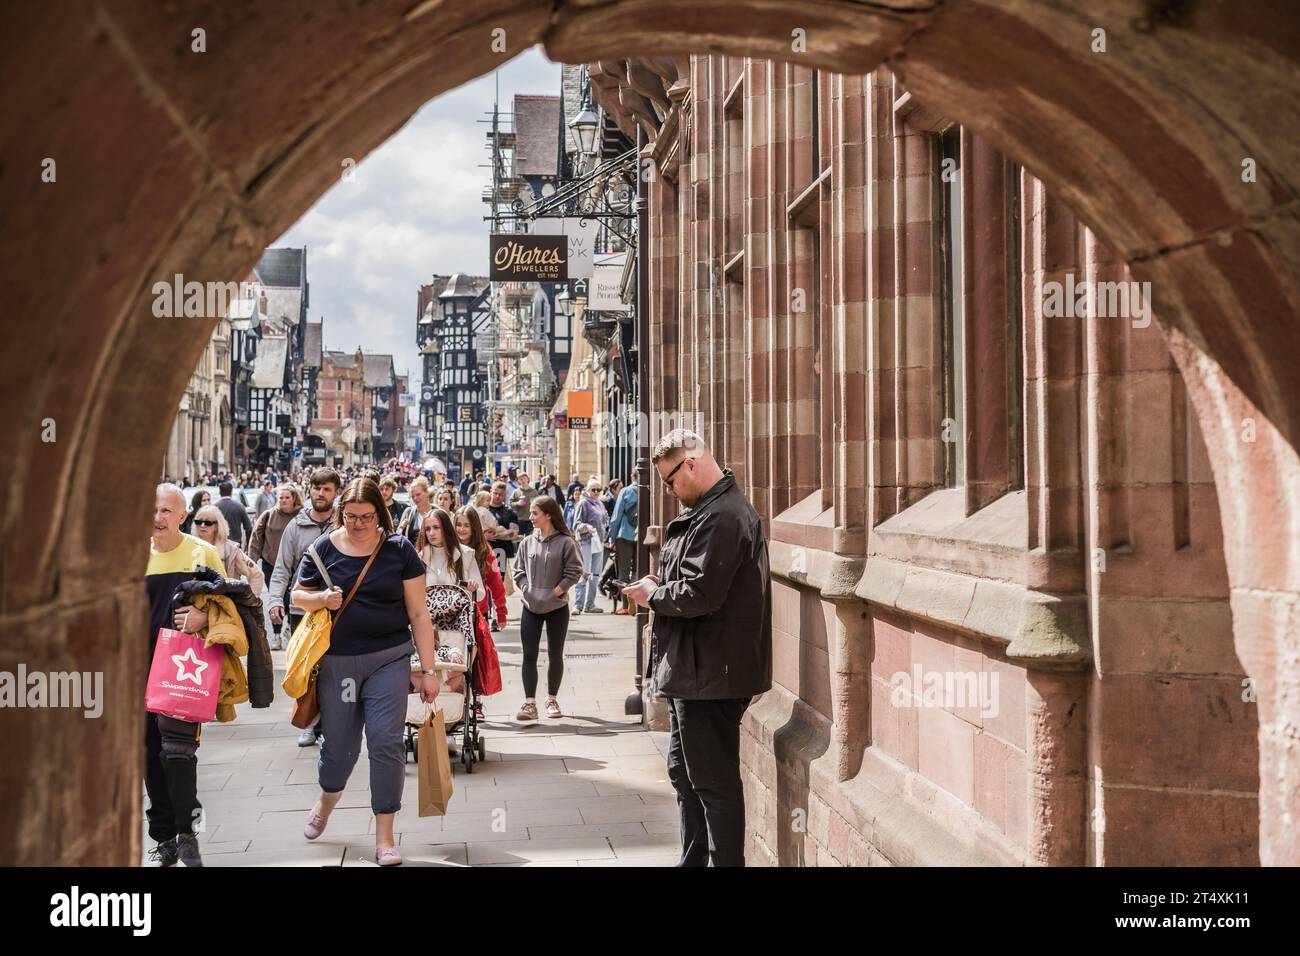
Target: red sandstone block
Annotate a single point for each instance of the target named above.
(891, 649)
(894, 730)
(1056, 728)
(785, 660)
(1175, 732)
(1170, 828)
(992, 779)
(1009, 724)
(947, 752)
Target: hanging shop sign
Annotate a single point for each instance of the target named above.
(606, 283)
(519, 257)
(581, 237)
(580, 410)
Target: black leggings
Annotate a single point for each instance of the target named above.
(530, 634)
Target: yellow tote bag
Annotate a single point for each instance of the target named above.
(310, 641)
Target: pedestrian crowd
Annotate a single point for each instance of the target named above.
(343, 542)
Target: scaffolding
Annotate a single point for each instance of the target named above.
(519, 397)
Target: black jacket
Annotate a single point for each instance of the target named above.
(261, 670)
(713, 607)
(236, 515)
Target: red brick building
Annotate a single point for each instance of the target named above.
(343, 408)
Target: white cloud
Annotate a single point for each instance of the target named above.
(413, 209)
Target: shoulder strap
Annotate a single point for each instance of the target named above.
(360, 577)
(320, 565)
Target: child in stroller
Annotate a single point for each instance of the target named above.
(452, 611)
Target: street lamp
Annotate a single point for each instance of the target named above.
(564, 303)
(584, 128)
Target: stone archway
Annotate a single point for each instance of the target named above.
(170, 161)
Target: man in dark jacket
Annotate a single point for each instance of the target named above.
(712, 642)
(236, 515)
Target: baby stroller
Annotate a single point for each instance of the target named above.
(451, 608)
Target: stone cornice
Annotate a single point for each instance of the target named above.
(1037, 628)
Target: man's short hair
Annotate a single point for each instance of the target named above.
(499, 484)
(168, 488)
(224, 488)
(387, 482)
(326, 476)
(682, 438)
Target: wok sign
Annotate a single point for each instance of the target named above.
(518, 257)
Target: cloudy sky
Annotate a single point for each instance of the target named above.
(411, 210)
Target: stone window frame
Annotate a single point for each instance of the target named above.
(961, 556)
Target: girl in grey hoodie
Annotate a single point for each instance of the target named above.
(547, 566)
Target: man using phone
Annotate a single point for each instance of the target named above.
(712, 642)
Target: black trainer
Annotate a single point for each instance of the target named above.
(163, 854)
(187, 849)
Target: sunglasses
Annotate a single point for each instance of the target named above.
(669, 479)
(204, 522)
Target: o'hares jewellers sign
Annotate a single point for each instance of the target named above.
(519, 257)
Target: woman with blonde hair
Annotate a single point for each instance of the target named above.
(485, 517)
(421, 505)
(210, 525)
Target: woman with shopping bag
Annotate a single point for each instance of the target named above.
(373, 580)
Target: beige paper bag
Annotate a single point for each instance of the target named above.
(434, 766)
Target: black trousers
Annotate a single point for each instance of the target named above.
(530, 635)
(704, 767)
(171, 768)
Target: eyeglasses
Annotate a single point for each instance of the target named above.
(669, 479)
(204, 522)
(362, 520)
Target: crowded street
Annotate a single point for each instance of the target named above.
(588, 789)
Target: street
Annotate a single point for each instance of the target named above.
(588, 789)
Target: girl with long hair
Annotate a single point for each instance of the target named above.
(446, 559)
(547, 566)
(200, 499)
(469, 530)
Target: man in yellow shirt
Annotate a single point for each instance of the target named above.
(171, 745)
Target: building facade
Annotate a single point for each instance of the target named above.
(1002, 632)
(344, 409)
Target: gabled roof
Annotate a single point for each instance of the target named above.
(378, 371)
(284, 267)
(464, 286)
(268, 368)
(283, 306)
(537, 135)
(341, 359)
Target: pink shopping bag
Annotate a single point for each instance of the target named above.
(185, 677)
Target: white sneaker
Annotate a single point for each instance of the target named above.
(307, 738)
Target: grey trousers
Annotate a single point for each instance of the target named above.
(365, 691)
